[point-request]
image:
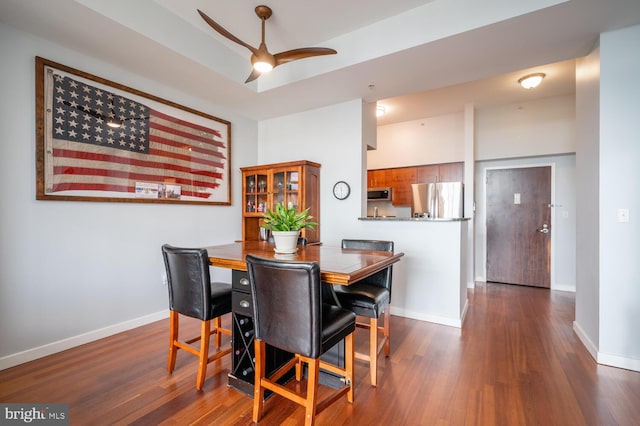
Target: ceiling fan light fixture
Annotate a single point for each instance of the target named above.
(262, 66)
(263, 62)
(531, 81)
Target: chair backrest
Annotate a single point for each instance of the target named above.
(189, 281)
(383, 278)
(287, 304)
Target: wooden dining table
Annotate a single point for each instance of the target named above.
(338, 266)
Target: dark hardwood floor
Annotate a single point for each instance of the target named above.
(515, 362)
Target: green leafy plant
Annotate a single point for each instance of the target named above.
(287, 219)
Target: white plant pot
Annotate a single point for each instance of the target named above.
(286, 241)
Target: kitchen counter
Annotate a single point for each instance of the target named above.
(430, 284)
(414, 219)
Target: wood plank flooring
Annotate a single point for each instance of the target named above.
(515, 362)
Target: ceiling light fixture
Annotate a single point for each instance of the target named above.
(531, 81)
(263, 61)
(380, 111)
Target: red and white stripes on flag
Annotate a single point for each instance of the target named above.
(85, 154)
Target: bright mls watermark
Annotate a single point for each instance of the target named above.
(37, 414)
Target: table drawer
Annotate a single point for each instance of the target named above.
(240, 281)
(241, 303)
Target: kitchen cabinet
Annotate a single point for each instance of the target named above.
(400, 179)
(451, 172)
(447, 172)
(378, 178)
(295, 183)
(427, 174)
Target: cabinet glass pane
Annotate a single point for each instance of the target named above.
(262, 183)
(250, 203)
(250, 184)
(278, 198)
(292, 200)
(292, 181)
(278, 182)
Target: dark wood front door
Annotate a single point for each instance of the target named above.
(519, 226)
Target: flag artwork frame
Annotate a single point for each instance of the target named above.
(98, 140)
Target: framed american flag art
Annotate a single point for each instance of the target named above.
(97, 140)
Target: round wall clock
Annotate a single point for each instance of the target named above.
(341, 190)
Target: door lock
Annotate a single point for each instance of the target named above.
(544, 230)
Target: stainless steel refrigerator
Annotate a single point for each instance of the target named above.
(437, 200)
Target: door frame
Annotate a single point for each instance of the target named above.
(552, 272)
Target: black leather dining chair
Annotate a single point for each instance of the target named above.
(191, 293)
(371, 298)
(289, 314)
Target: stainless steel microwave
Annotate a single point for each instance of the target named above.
(379, 194)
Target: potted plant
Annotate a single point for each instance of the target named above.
(285, 224)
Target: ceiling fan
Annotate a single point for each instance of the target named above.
(261, 60)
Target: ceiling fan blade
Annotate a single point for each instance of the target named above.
(305, 52)
(213, 24)
(254, 74)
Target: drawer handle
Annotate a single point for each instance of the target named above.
(244, 281)
(244, 304)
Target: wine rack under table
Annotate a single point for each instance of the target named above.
(242, 376)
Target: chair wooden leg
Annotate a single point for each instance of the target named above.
(349, 364)
(217, 325)
(373, 351)
(258, 393)
(387, 329)
(173, 336)
(299, 370)
(313, 372)
(203, 357)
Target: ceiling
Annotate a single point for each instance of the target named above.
(419, 58)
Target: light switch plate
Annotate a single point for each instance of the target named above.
(623, 215)
(516, 198)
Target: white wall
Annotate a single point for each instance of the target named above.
(619, 188)
(426, 141)
(541, 127)
(588, 201)
(333, 137)
(71, 272)
(563, 216)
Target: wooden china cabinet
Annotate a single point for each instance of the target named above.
(295, 183)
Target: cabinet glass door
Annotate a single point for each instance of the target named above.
(285, 188)
(255, 193)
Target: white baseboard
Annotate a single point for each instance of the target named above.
(591, 348)
(61, 345)
(603, 358)
(464, 311)
(451, 322)
(564, 287)
(619, 362)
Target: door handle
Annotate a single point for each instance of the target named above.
(544, 229)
